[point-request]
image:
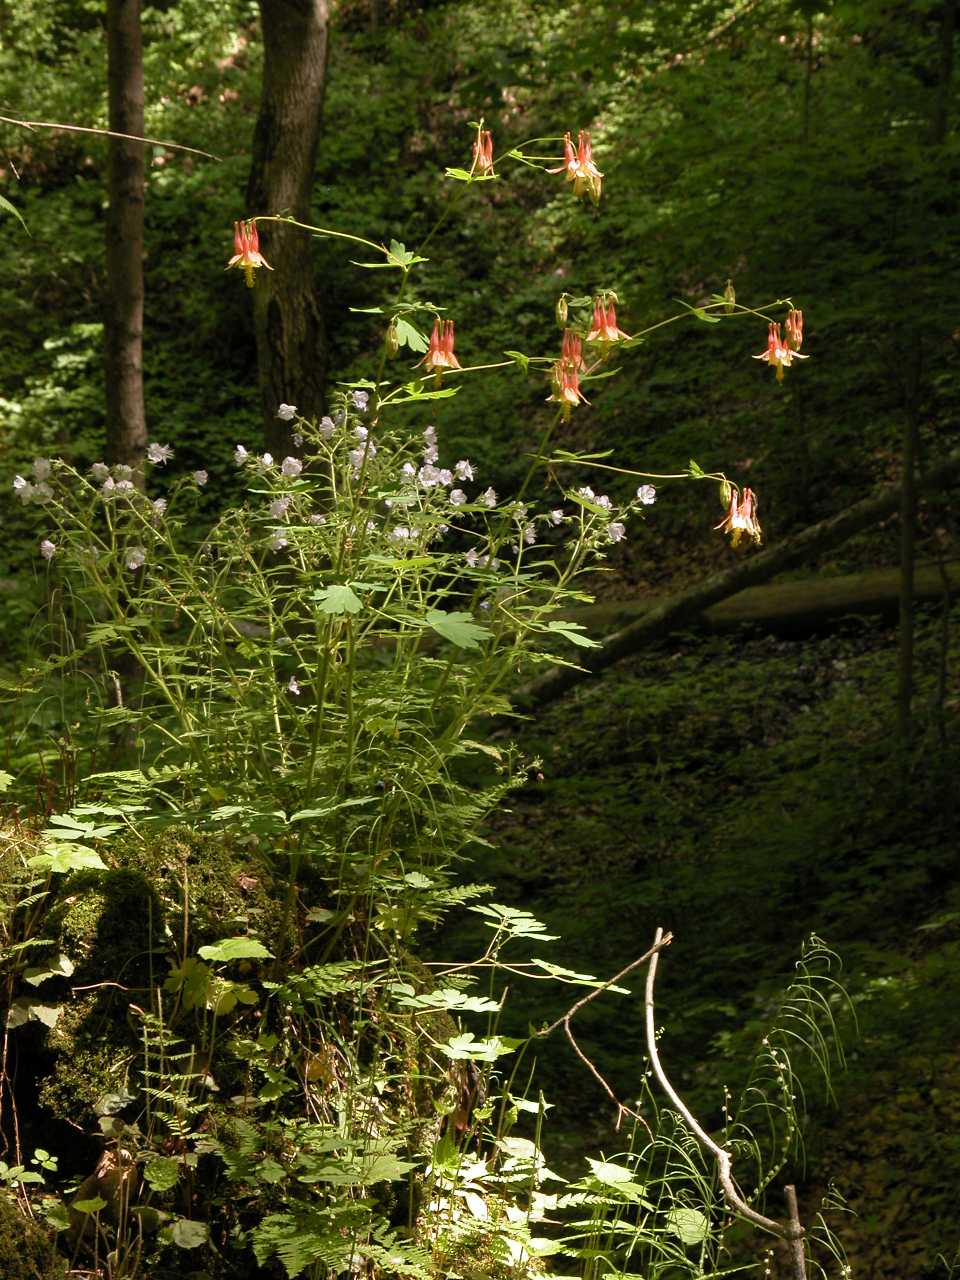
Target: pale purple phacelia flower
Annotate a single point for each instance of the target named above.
(287, 412)
(409, 469)
(22, 488)
(489, 498)
(108, 487)
(400, 532)
(297, 439)
(124, 486)
(159, 453)
(360, 400)
(135, 558)
(159, 506)
(464, 469)
(530, 535)
(647, 494)
(99, 471)
(122, 471)
(586, 492)
(278, 540)
(293, 687)
(317, 518)
(200, 478)
(616, 531)
(327, 427)
(47, 549)
(430, 454)
(240, 455)
(291, 467)
(471, 557)
(42, 468)
(265, 461)
(556, 516)
(278, 508)
(430, 435)
(457, 497)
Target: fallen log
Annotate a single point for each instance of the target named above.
(685, 607)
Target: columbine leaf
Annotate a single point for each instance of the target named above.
(458, 628)
(689, 1224)
(59, 858)
(408, 336)
(337, 599)
(187, 1234)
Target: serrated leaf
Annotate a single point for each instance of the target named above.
(573, 631)
(408, 336)
(6, 780)
(59, 858)
(337, 599)
(458, 628)
(187, 1234)
(689, 1224)
(162, 1172)
(235, 949)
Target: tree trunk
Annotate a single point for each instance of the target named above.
(683, 608)
(288, 322)
(123, 321)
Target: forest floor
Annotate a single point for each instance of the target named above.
(745, 790)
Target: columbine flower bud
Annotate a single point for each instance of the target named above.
(562, 310)
(483, 154)
(729, 297)
(391, 339)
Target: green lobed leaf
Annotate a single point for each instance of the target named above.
(235, 949)
(337, 599)
(459, 628)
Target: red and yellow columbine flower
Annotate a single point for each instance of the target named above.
(440, 351)
(246, 251)
(604, 328)
(578, 167)
(779, 354)
(483, 154)
(566, 375)
(794, 328)
(741, 517)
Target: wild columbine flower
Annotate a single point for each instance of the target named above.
(246, 251)
(135, 558)
(200, 478)
(579, 168)
(291, 467)
(48, 549)
(483, 154)
(159, 453)
(741, 517)
(605, 328)
(794, 328)
(647, 494)
(616, 531)
(287, 412)
(440, 354)
(566, 374)
(778, 353)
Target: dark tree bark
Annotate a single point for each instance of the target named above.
(288, 321)
(123, 320)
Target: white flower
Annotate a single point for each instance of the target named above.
(464, 470)
(159, 453)
(42, 468)
(647, 494)
(160, 506)
(297, 439)
(361, 433)
(556, 516)
(122, 472)
(278, 540)
(22, 488)
(586, 492)
(278, 508)
(356, 457)
(135, 558)
(124, 486)
(604, 501)
(107, 488)
(458, 497)
(616, 531)
(489, 498)
(429, 475)
(99, 471)
(530, 535)
(446, 475)
(360, 399)
(430, 435)
(265, 461)
(47, 549)
(430, 455)
(409, 469)
(287, 412)
(292, 686)
(471, 557)
(326, 427)
(400, 532)
(200, 478)
(240, 455)
(317, 518)
(291, 467)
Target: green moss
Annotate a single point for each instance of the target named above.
(27, 1251)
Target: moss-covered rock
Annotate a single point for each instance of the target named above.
(27, 1250)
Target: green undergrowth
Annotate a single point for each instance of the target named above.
(741, 792)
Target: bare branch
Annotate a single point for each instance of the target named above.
(106, 133)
